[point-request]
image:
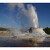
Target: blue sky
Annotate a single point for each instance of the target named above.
(43, 12)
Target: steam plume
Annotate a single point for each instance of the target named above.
(30, 13)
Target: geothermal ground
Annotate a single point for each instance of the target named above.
(14, 42)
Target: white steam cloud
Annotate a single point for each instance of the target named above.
(30, 13)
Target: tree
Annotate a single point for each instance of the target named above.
(47, 30)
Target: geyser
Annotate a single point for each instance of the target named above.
(32, 16)
(35, 33)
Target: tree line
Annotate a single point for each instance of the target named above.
(47, 30)
(3, 29)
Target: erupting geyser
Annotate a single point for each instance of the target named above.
(32, 16)
(35, 33)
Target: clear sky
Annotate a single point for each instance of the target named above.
(8, 18)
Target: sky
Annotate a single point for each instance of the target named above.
(8, 15)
